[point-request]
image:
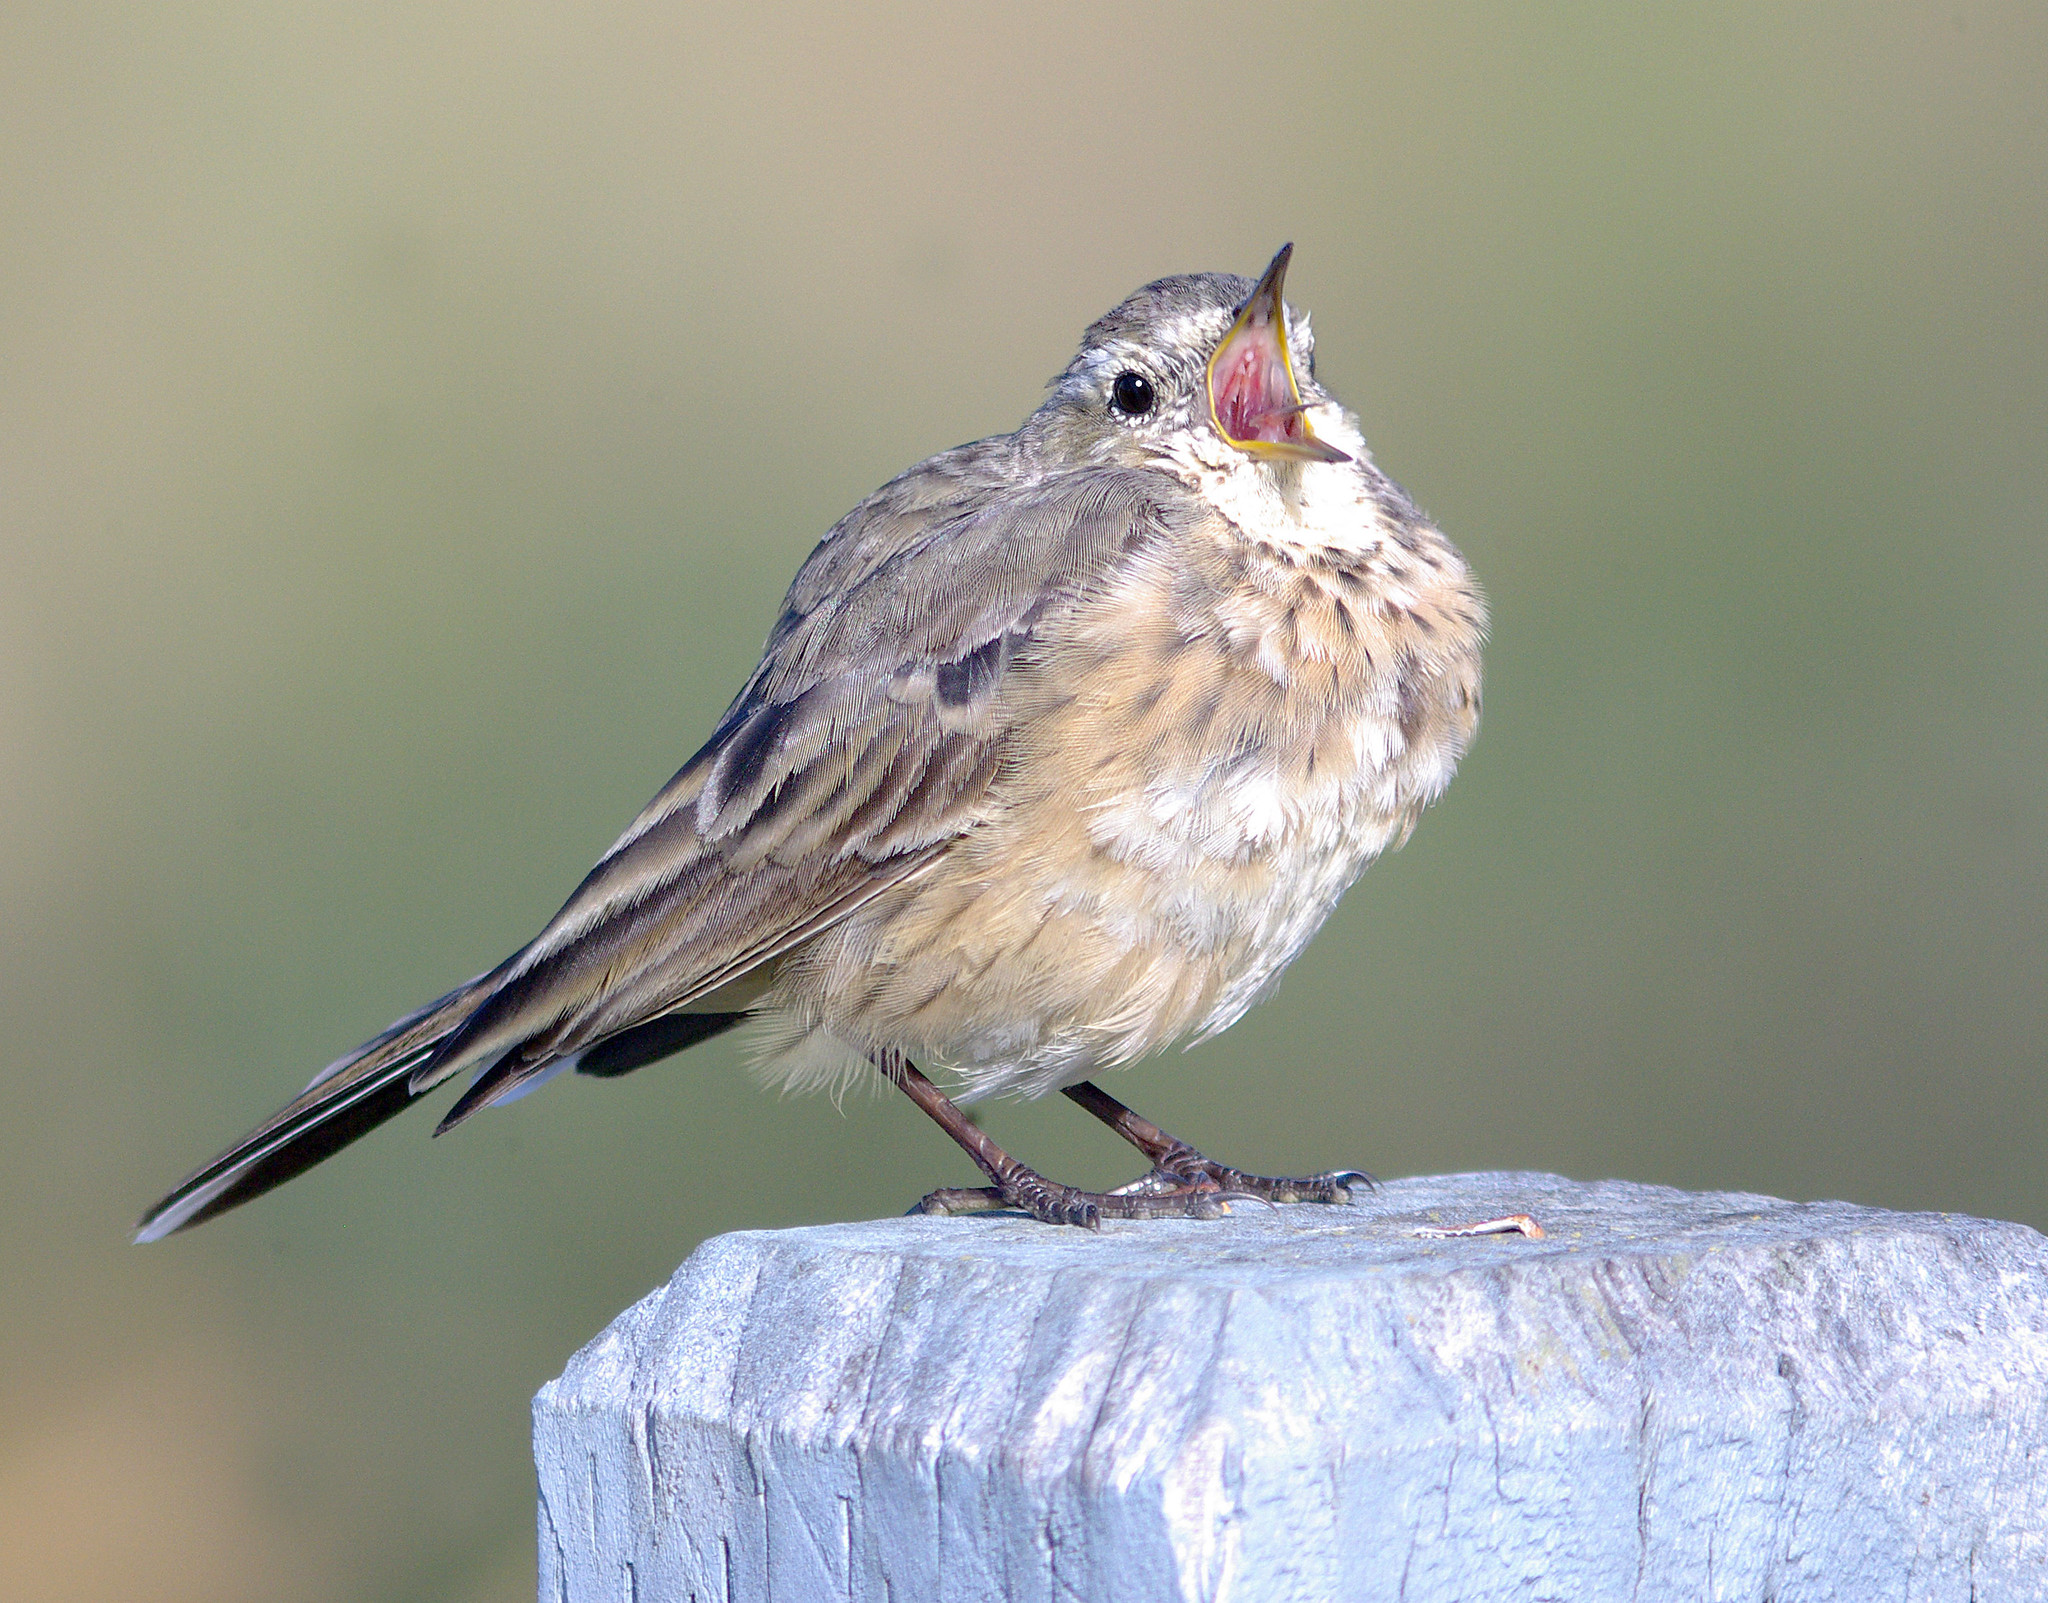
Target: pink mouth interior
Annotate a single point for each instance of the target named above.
(1250, 391)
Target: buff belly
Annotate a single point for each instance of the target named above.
(1080, 930)
(1203, 758)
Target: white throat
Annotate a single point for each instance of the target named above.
(1296, 506)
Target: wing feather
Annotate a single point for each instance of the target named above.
(873, 733)
(870, 737)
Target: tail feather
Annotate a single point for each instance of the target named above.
(346, 1100)
(279, 1151)
(651, 1042)
(508, 1077)
(380, 1079)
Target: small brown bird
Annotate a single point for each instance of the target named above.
(1063, 746)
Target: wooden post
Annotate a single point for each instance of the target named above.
(1668, 1396)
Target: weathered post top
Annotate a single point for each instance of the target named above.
(1669, 1396)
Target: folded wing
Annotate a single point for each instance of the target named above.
(871, 735)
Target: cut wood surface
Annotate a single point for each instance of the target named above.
(1669, 1395)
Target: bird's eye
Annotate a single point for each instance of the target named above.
(1131, 394)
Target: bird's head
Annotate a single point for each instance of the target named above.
(1199, 370)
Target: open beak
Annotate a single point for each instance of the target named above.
(1252, 397)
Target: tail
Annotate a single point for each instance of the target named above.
(383, 1077)
(348, 1099)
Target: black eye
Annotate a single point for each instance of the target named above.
(1131, 394)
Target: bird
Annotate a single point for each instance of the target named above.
(1063, 745)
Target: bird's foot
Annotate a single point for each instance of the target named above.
(1184, 1166)
(1176, 1166)
(1182, 1183)
(1195, 1187)
(1156, 1196)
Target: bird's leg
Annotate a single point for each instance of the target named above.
(1176, 1165)
(1028, 1191)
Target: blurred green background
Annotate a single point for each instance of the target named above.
(409, 417)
